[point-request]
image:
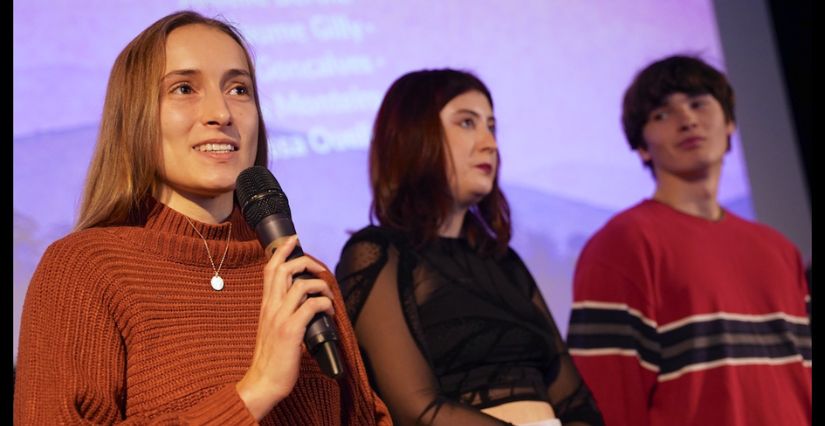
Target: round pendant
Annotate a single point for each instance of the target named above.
(217, 283)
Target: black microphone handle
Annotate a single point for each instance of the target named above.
(320, 336)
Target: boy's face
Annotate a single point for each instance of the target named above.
(687, 136)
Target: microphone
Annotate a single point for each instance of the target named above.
(266, 209)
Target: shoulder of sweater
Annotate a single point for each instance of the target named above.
(93, 236)
(626, 224)
(77, 262)
(759, 230)
(87, 244)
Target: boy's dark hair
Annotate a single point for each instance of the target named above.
(652, 85)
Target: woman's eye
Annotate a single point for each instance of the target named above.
(467, 123)
(658, 116)
(183, 89)
(240, 90)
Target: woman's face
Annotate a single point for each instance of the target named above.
(208, 118)
(469, 129)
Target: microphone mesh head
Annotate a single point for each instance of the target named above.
(260, 195)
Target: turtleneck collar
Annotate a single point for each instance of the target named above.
(168, 233)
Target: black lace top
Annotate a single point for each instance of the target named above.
(446, 332)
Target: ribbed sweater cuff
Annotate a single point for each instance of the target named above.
(224, 407)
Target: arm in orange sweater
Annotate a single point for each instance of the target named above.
(72, 358)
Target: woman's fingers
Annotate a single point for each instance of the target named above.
(279, 273)
(310, 308)
(284, 295)
(278, 258)
(304, 291)
(287, 307)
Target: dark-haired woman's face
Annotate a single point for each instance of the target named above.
(469, 130)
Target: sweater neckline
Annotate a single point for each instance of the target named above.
(677, 213)
(167, 233)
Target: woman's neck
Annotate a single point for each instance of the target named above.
(451, 227)
(212, 210)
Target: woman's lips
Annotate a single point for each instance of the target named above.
(486, 168)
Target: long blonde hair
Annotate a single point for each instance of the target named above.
(124, 170)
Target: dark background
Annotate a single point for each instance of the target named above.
(793, 28)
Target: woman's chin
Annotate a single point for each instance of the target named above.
(481, 194)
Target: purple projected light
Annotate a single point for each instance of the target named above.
(557, 71)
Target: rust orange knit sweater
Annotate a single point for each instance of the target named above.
(120, 324)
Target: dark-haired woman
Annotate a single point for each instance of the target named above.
(453, 328)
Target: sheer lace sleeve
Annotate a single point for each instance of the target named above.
(398, 368)
(569, 395)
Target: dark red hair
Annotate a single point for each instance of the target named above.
(408, 160)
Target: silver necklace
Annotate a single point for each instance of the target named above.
(217, 281)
